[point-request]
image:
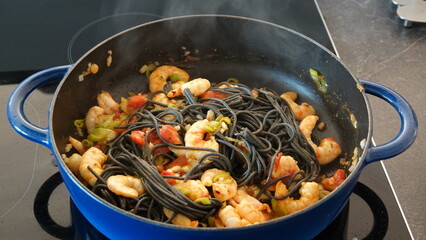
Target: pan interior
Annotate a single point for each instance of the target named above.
(259, 54)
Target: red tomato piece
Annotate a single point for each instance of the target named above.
(180, 161)
(170, 134)
(214, 94)
(171, 181)
(138, 137)
(135, 102)
(155, 140)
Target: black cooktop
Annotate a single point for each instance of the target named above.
(46, 33)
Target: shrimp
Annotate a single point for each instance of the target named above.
(77, 145)
(322, 192)
(107, 103)
(73, 163)
(197, 87)
(328, 149)
(126, 186)
(309, 194)
(284, 165)
(92, 116)
(334, 181)
(93, 158)
(180, 219)
(247, 211)
(195, 137)
(159, 76)
(192, 189)
(243, 195)
(230, 218)
(161, 98)
(300, 111)
(223, 185)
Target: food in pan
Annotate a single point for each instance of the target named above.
(202, 154)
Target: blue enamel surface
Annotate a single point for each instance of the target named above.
(408, 131)
(15, 105)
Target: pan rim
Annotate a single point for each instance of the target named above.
(354, 174)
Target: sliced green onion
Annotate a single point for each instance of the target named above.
(176, 77)
(182, 190)
(186, 168)
(79, 123)
(151, 67)
(203, 200)
(118, 122)
(87, 143)
(215, 125)
(171, 105)
(224, 119)
(106, 123)
(319, 80)
(209, 129)
(100, 134)
(223, 177)
(232, 80)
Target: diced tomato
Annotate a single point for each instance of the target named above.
(171, 181)
(155, 140)
(214, 94)
(138, 137)
(135, 102)
(180, 161)
(170, 134)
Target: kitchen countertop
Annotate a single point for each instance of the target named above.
(373, 43)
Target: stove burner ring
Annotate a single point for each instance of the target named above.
(378, 208)
(97, 31)
(41, 210)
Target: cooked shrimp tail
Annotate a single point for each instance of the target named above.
(180, 219)
(300, 111)
(126, 186)
(328, 149)
(230, 218)
(106, 102)
(93, 158)
(159, 76)
(92, 116)
(309, 194)
(223, 185)
(196, 87)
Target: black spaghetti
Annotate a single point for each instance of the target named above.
(253, 129)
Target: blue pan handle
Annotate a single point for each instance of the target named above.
(408, 131)
(15, 105)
